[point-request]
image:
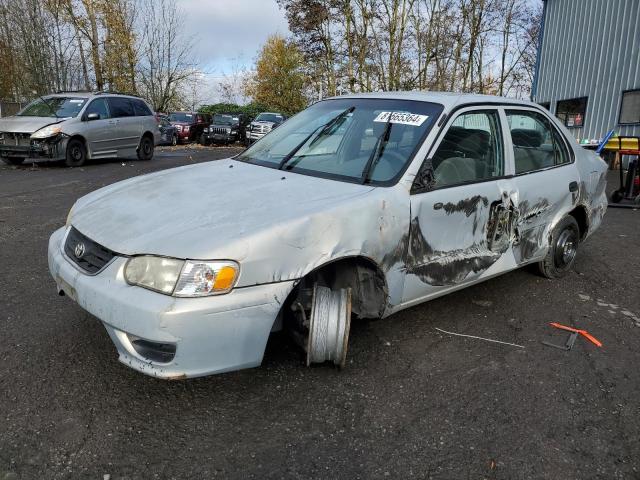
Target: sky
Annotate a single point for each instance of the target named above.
(229, 33)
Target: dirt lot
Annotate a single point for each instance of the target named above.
(412, 403)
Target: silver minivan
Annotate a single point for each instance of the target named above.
(78, 126)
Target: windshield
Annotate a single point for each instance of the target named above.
(361, 146)
(269, 117)
(222, 119)
(181, 117)
(62, 107)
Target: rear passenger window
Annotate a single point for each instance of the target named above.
(536, 143)
(470, 151)
(120, 107)
(141, 108)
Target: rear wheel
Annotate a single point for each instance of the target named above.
(145, 150)
(565, 239)
(12, 160)
(76, 153)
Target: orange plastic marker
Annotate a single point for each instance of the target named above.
(584, 333)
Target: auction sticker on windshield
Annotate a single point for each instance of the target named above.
(402, 118)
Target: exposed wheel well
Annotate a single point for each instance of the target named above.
(580, 214)
(368, 285)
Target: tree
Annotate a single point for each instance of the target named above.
(166, 55)
(278, 82)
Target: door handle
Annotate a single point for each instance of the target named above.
(573, 187)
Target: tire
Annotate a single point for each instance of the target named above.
(145, 149)
(13, 160)
(617, 196)
(174, 140)
(565, 239)
(76, 153)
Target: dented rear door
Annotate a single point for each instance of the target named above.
(546, 180)
(462, 225)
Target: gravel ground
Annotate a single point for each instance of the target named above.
(412, 403)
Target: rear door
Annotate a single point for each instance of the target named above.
(462, 223)
(100, 134)
(546, 180)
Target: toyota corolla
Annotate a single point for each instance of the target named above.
(357, 207)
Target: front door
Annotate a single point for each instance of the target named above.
(462, 227)
(101, 134)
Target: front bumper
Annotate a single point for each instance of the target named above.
(220, 137)
(211, 334)
(52, 149)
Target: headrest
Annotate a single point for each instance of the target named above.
(526, 138)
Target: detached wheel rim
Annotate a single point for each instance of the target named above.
(566, 248)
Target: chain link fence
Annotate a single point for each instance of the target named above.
(10, 108)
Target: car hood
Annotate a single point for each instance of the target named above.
(260, 122)
(17, 124)
(198, 211)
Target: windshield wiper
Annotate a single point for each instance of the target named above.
(48, 106)
(323, 128)
(378, 150)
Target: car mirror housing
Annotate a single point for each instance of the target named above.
(425, 179)
(93, 116)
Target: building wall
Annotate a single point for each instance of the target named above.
(590, 48)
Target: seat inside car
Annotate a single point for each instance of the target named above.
(529, 152)
(462, 156)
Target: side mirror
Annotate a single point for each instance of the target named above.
(425, 179)
(93, 116)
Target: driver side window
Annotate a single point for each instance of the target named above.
(471, 150)
(98, 106)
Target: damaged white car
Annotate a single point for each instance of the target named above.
(358, 207)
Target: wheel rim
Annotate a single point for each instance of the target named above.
(146, 147)
(566, 248)
(76, 153)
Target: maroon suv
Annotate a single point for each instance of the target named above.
(189, 125)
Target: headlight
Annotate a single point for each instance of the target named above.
(155, 273)
(46, 132)
(180, 278)
(200, 278)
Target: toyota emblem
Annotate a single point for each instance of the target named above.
(79, 250)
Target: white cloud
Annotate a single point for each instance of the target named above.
(230, 32)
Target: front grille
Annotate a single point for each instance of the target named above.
(87, 254)
(219, 130)
(261, 129)
(17, 139)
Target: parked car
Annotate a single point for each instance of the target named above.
(189, 125)
(168, 132)
(263, 124)
(224, 128)
(360, 206)
(78, 126)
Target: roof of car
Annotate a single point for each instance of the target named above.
(80, 94)
(448, 99)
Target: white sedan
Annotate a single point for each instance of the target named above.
(357, 207)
